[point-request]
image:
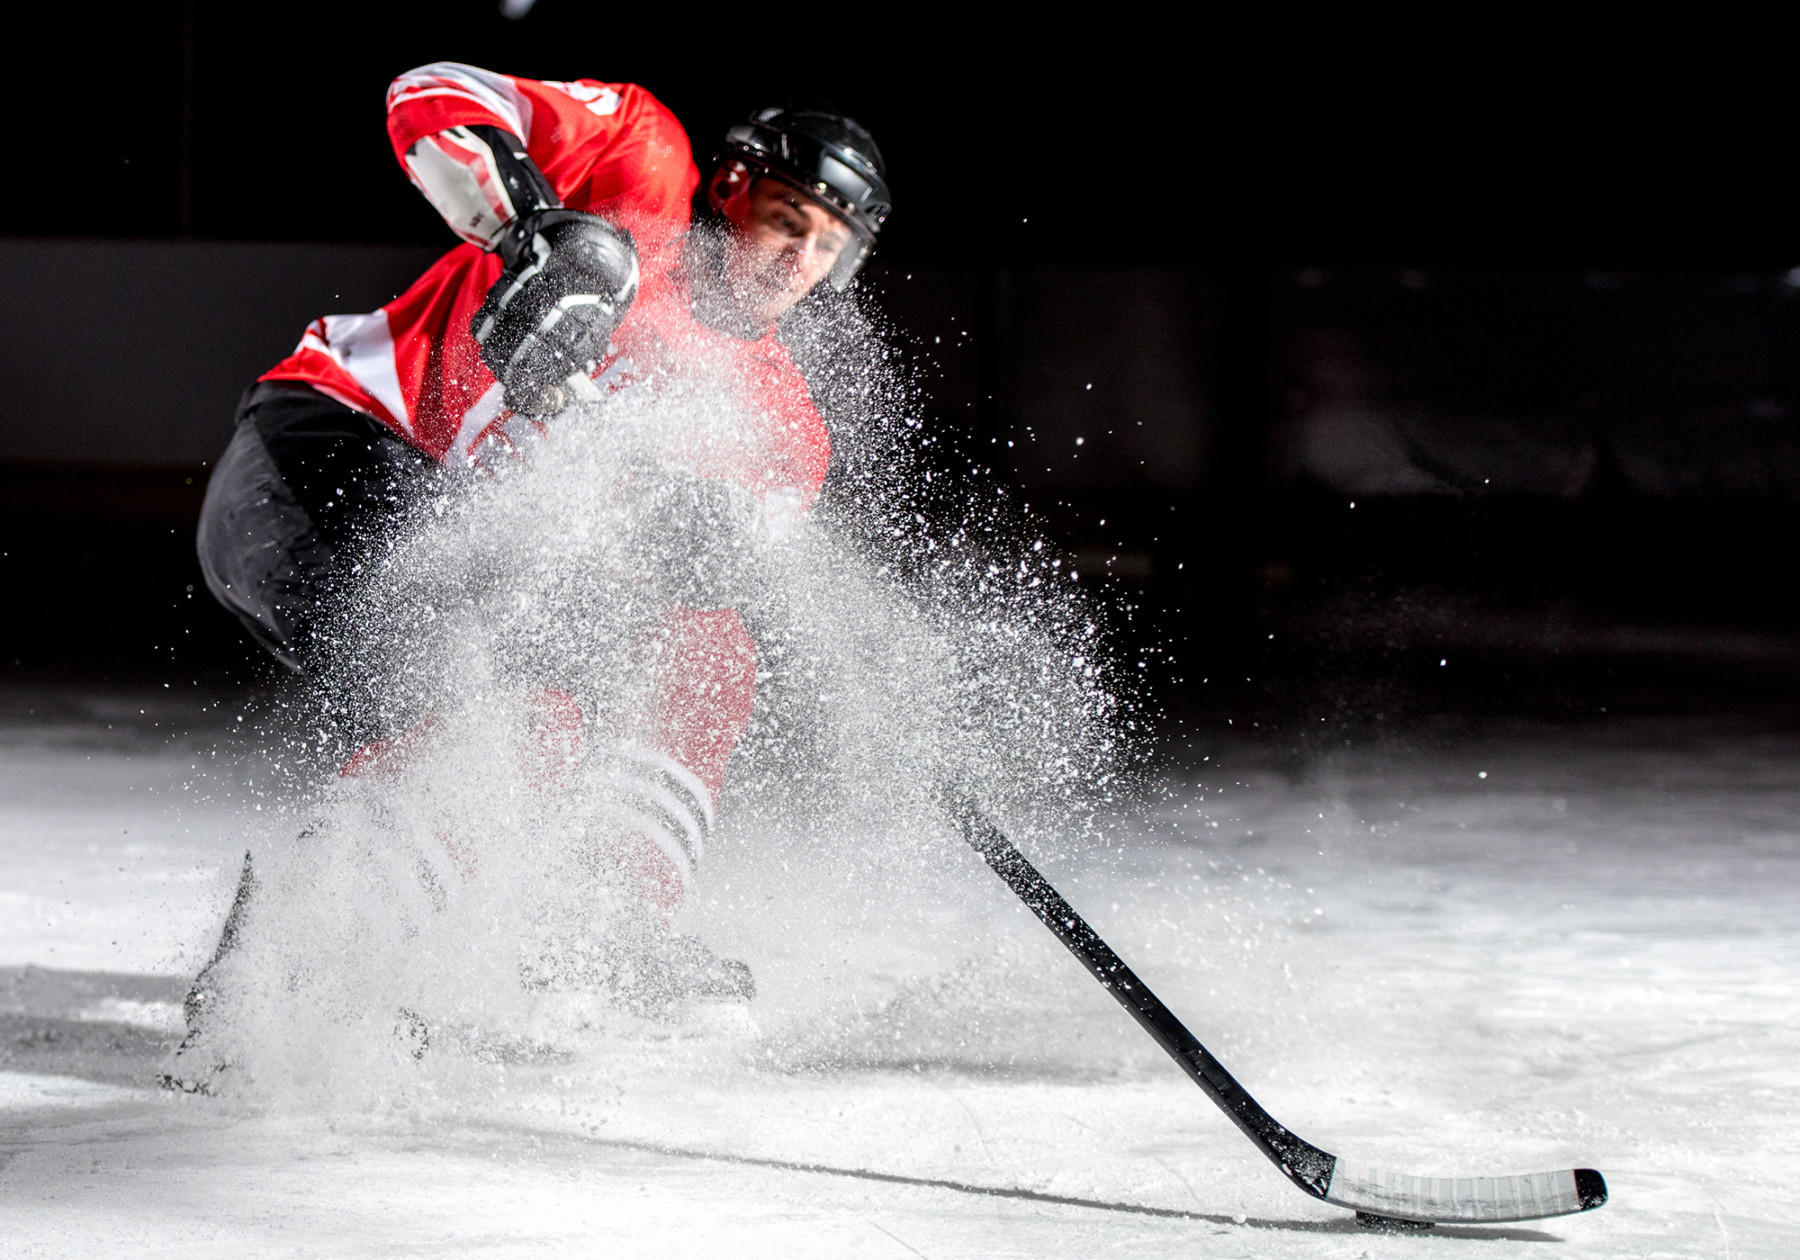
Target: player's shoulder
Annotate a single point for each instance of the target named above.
(579, 106)
(601, 98)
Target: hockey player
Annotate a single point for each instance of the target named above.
(579, 275)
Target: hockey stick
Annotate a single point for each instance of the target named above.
(1381, 1199)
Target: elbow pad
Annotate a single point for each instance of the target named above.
(480, 179)
(569, 278)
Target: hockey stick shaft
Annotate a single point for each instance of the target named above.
(1303, 1163)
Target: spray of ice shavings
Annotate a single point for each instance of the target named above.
(894, 655)
(366, 926)
(553, 573)
(907, 654)
(878, 692)
(960, 648)
(460, 861)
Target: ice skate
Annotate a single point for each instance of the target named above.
(197, 1067)
(420, 1039)
(642, 971)
(673, 976)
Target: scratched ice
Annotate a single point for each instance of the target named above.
(1586, 957)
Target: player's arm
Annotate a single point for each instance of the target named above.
(569, 276)
(480, 178)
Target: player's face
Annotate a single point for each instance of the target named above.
(782, 244)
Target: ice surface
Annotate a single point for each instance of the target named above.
(1586, 957)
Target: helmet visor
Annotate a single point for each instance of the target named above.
(856, 250)
(855, 253)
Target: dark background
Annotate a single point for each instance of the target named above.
(1385, 347)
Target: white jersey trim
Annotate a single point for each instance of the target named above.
(363, 346)
(456, 171)
(493, 92)
(477, 418)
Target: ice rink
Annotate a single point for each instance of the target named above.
(1462, 951)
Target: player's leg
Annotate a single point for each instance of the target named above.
(305, 486)
(655, 789)
(676, 753)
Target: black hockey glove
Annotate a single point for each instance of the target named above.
(569, 278)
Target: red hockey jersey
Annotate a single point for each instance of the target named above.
(609, 148)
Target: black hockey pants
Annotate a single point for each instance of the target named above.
(306, 488)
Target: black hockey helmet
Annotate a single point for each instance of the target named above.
(829, 157)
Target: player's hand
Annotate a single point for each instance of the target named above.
(569, 278)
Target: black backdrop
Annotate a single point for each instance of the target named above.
(1141, 133)
(1539, 247)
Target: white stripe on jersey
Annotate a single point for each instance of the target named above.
(493, 92)
(616, 373)
(363, 345)
(599, 100)
(477, 418)
(456, 171)
(477, 429)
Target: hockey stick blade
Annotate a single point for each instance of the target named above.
(1390, 1198)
